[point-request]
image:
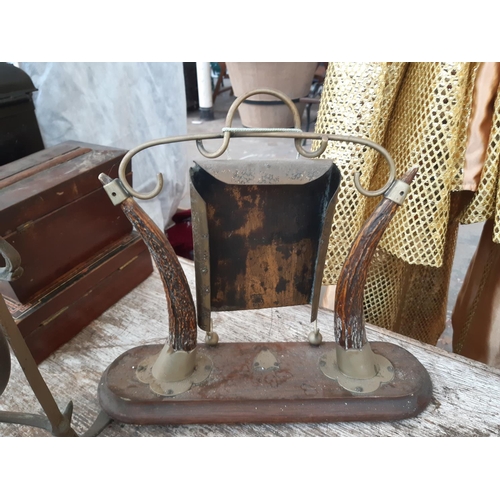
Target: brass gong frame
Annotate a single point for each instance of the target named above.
(154, 384)
(229, 132)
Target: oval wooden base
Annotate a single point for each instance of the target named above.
(239, 391)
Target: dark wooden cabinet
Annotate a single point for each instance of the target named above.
(78, 251)
(54, 212)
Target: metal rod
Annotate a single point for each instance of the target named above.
(226, 135)
(31, 419)
(278, 135)
(60, 424)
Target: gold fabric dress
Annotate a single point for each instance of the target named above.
(443, 118)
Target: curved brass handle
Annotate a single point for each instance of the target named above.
(232, 110)
(293, 133)
(12, 269)
(296, 119)
(275, 93)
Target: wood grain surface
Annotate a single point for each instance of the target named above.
(466, 400)
(54, 212)
(290, 387)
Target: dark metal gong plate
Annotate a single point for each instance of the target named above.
(261, 231)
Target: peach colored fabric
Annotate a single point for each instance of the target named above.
(478, 132)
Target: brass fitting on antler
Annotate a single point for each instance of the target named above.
(353, 362)
(178, 365)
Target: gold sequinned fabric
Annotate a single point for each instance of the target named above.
(418, 111)
(422, 114)
(427, 130)
(357, 100)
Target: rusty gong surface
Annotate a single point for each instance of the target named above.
(264, 225)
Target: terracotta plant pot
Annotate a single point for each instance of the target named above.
(292, 78)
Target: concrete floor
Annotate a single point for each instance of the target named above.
(468, 236)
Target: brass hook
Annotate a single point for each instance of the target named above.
(122, 173)
(220, 151)
(312, 154)
(392, 173)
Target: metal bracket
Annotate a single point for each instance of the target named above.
(202, 367)
(54, 421)
(265, 361)
(383, 370)
(398, 191)
(115, 189)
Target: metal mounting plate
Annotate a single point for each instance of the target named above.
(385, 373)
(202, 369)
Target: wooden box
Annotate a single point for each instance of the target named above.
(80, 296)
(54, 212)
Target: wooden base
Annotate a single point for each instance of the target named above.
(238, 392)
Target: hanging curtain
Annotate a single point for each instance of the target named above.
(121, 105)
